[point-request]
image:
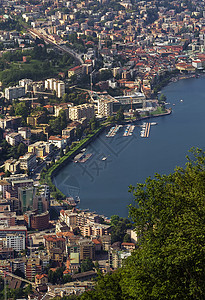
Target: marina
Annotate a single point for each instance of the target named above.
(131, 160)
(129, 130)
(113, 130)
(146, 129)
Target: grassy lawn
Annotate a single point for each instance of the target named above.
(158, 111)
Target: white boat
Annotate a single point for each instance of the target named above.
(153, 123)
(181, 100)
(104, 158)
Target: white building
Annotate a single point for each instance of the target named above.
(27, 83)
(58, 141)
(28, 161)
(25, 132)
(55, 85)
(105, 108)
(14, 92)
(13, 138)
(16, 241)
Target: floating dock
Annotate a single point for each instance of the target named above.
(113, 130)
(145, 130)
(81, 158)
(129, 130)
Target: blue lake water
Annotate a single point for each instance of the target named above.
(103, 185)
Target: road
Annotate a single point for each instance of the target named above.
(17, 277)
(35, 32)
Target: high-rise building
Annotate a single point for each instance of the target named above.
(16, 241)
(55, 85)
(14, 92)
(25, 195)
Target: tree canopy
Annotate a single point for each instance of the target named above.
(169, 218)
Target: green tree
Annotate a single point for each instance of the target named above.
(21, 149)
(169, 218)
(87, 265)
(162, 98)
(21, 110)
(120, 115)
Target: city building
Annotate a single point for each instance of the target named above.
(53, 241)
(37, 221)
(55, 85)
(32, 268)
(25, 196)
(12, 230)
(28, 161)
(87, 249)
(14, 138)
(40, 148)
(25, 132)
(12, 165)
(27, 83)
(41, 279)
(78, 71)
(14, 92)
(58, 141)
(10, 122)
(16, 241)
(81, 111)
(105, 108)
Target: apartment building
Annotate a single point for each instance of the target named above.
(28, 161)
(16, 241)
(13, 138)
(12, 165)
(58, 141)
(81, 111)
(78, 71)
(14, 92)
(25, 132)
(40, 148)
(55, 85)
(105, 108)
(95, 229)
(10, 122)
(53, 241)
(33, 267)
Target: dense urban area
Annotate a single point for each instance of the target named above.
(70, 69)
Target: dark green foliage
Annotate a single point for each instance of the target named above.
(87, 265)
(21, 109)
(162, 98)
(21, 149)
(169, 218)
(58, 123)
(108, 287)
(57, 277)
(119, 228)
(40, 64)
(119, 116)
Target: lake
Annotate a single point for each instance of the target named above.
(103, 185)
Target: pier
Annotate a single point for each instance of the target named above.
(129, 130)
(113, 131)
(145, 130)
